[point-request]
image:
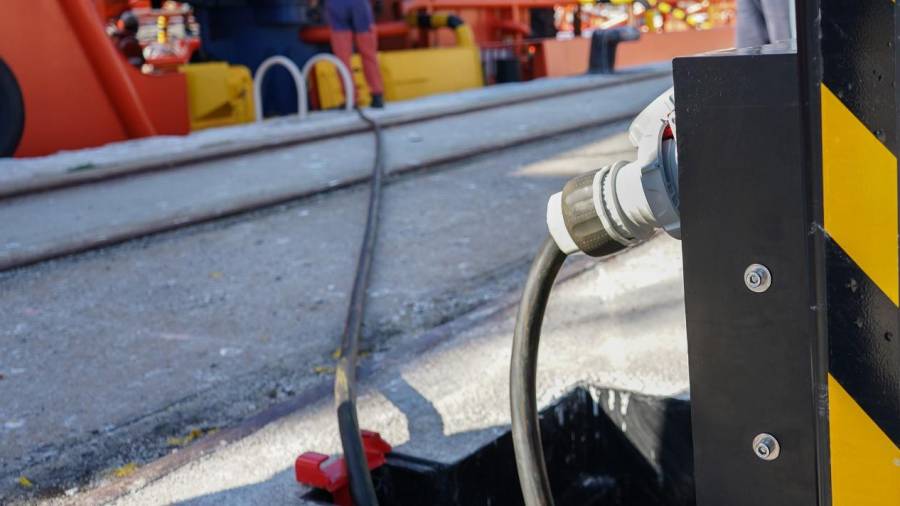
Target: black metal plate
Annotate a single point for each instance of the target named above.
(744, 200)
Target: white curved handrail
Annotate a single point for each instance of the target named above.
(299, 83)
(346, 77)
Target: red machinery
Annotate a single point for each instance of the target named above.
(672, 28)
(116, 101)
(166, 52)
(503, 29)
(70, 76)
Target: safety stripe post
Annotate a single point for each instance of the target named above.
(858, 104)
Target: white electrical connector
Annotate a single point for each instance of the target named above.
(557, 225)
(626, 201)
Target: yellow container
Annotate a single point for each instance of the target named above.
(407, 74)
(219, 94)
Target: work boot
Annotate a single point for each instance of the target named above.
(377, 101)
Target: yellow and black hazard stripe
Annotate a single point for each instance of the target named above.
(860, 188)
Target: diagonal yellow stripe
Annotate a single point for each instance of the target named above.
(865, 463)
(860, 191)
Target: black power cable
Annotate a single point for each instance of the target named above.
(526, 431)
(591, 216)
(361, 487)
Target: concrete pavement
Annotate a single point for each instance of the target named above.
(108, 355)
(68, 167)
(619, 324)
(45, 225)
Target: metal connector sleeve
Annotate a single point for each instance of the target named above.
(581, 219)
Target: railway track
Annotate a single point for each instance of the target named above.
(56, 214)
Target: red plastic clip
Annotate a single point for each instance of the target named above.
(330, 473)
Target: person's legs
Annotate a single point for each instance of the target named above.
(342, 45)
(367, 45)
(778, 19)
(751, 25)
(338, 13)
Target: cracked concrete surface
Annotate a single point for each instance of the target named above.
(619, 324)
(46, 225)
(106, 355)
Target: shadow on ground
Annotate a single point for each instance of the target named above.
(603, 447)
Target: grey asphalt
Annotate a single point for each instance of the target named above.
(107, 355)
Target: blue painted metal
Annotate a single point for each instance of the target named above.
(246, 32)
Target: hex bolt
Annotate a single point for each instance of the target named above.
(766, 447)
(757, 278)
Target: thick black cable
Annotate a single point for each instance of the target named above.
(526, 431)
(361, 487)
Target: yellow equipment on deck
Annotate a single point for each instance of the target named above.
(219, 94)
(411, 73)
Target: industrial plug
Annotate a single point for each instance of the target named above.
(601, 212)
(597, 213)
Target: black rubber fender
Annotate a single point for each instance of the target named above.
(12, 111)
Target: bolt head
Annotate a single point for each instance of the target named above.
(766, 447)
(757, 278)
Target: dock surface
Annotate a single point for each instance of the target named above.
(187, 314)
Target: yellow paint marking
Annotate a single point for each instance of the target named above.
(126, 470)
(860, 191)
(865, 463)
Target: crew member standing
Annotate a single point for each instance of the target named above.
(352, 20)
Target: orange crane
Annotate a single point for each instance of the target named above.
(76, 89)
